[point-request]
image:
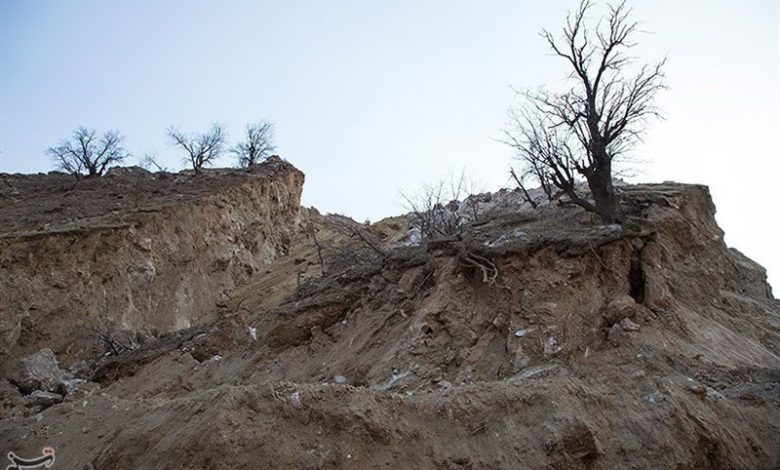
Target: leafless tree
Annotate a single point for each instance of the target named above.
(432, 214)
(443, 209)
(444, 212)
(311, 230)
(201, 149)
(107, 334)
(87, 153)
(150, 161)
(533, 172)
(343, 245)
(257, 146)
(364, 238)
(579, 133)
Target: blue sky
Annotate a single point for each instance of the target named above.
(370, 98)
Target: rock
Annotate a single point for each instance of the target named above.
(535, 372)
(619, 331)
(295, 399)
(444, 384)
(340, 379)
(698, 390)
(9, 395)
(71, 384)
(616, 335)
(628, 325)
(551, 346)
(621, 307)
(42, 398)
(40, 371)
(653, 397)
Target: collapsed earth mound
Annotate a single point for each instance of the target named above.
(533, 338)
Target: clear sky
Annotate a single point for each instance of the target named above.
(373, 97)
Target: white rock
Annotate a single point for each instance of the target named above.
(41, 398)
(551, 346)
(40, 371)
(71, 384)
(340, 379)
(628, 325)
(444, 384)
(253, 333)
(541, 370)
(653, 397)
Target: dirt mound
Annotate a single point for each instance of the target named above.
(647, 345)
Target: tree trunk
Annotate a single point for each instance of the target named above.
(604, 197)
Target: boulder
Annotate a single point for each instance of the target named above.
(9, 395)
(621, 307)
(11, 401)
(551, 346)
(40, 371)
(628, 325)
(616, 335)
(43, 399)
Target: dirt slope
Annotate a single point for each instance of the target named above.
(535, 340)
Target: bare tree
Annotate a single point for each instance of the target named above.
(443, 209)
(533, 172)
(343, 245)
(150, 161)
(311, 230)
(257, 146)
(353, 230)
(580, 132)
(445, 212)
(87, 153)
(107, 334)
(432, 214)
(201, 149)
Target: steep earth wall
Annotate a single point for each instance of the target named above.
(145, 251)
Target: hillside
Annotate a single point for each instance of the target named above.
(534, 339)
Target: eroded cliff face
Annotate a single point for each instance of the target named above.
(536, 339)
(149, 252)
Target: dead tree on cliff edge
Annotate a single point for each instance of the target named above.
(580, 132)
(257, 144)
(86, 153)
(201, 149)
